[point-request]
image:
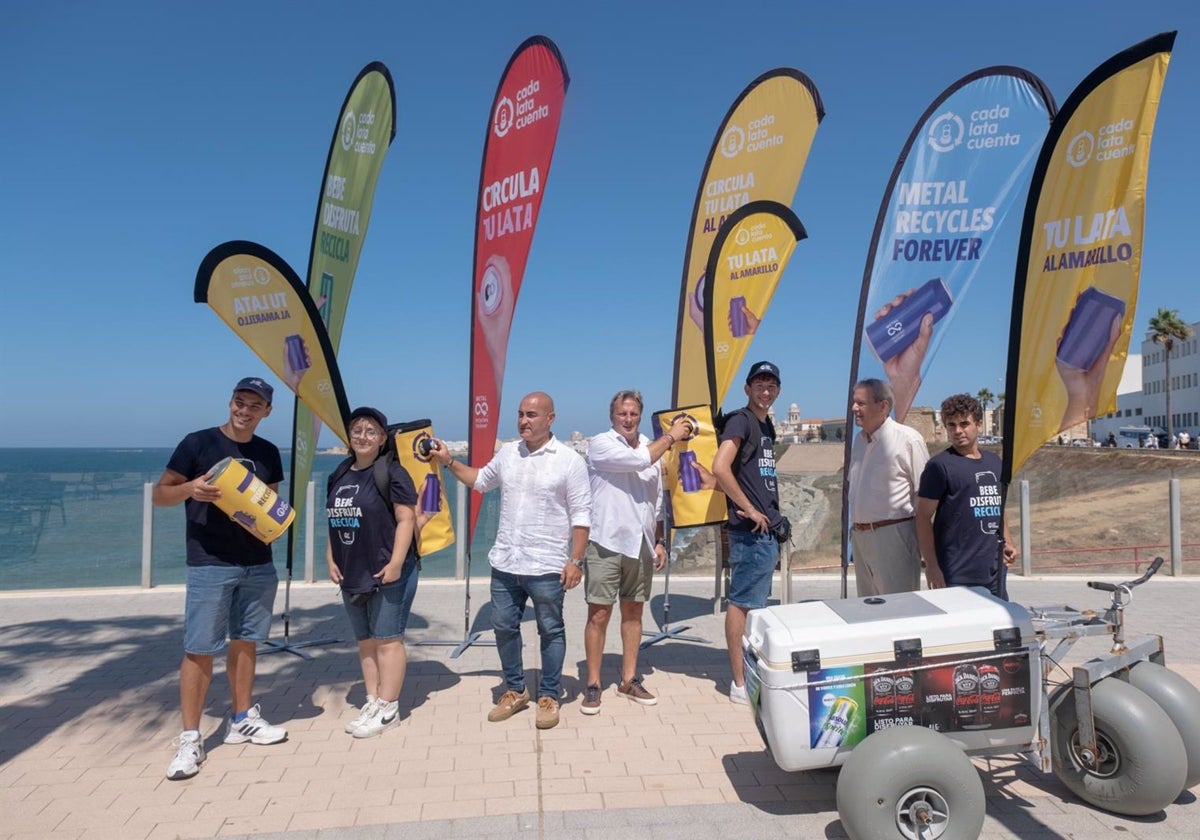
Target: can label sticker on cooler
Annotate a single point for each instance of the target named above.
(960, 692)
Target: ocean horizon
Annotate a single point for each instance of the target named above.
(72, 517)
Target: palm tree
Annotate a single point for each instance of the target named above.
(1166, 328)
(985, 398)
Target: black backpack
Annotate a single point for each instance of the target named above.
(749, 446)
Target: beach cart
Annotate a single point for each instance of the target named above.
(899, 690)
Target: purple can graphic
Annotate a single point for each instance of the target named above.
(737, 317)
(689, 475)
(297, 354)
(1088, 329)
(892, 333)
(431, 494)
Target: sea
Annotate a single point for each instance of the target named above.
(73, 518)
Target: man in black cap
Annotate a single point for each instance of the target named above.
(745, 472)
(231, 580)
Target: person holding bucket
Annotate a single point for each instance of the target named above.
(372, 556)
(231, 581)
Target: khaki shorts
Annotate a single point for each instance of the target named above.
(609, 575)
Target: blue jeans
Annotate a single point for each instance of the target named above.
(385, 616)
(227, 601)
(752, 559)
(509, 596)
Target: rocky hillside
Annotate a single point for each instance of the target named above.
(1102, 498)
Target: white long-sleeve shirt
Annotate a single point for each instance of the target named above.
(885, 472)
(543, 495)
(626, 493)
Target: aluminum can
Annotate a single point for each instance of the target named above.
(249, 501)
(883, 693)
(906, 692)
(892, 333)
(837, 723)
(297, 357)
(737, 317)
(431, 494)
(989, 692)
(966, 694)
(689, 476)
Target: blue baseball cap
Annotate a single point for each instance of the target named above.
(763, 369)
(256, 386)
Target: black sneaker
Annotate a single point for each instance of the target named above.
(591, 700)
(634, 691)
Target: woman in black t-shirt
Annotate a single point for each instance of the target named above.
(372, 555)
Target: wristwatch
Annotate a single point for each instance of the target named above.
(575, 562)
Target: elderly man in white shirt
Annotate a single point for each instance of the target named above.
(626, 541)
(886, 462)
(545, 514)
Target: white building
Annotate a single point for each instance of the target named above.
(1142, 394)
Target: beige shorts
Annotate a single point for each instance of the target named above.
(609, 575)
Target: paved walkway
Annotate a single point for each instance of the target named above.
(88, 709)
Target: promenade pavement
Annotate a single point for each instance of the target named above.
(89, 707)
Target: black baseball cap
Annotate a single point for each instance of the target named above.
(763, 369)
(366, 411)
(255, 386)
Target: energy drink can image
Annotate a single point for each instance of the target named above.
(837, 723)
(248, 500)
(297, 353)
(1088, 328)
(890, 334)
(689, 475)
(737, 317)
(883, 693)
(431, 494)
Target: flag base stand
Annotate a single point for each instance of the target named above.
(460, 645)
(286, 646)
(469, 637)
(665, 631)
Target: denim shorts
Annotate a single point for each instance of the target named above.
(233, 602)
(385, 616)
(752, 560)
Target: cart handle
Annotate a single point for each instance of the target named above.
(1115, 587)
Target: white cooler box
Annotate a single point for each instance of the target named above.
(823, 675)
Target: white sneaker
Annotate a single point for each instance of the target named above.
(188, 758)
(386, 716)
(255, 729)
(737, 694)
(365, 714)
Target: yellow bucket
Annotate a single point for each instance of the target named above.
(249, 501)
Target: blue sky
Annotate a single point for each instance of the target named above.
(140, 135)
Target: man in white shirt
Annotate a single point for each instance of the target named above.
(545, 514)
(626, 541)
(886, 462)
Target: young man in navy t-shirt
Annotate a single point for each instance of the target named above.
(961, 529)
(751, 489)
(231, 579)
